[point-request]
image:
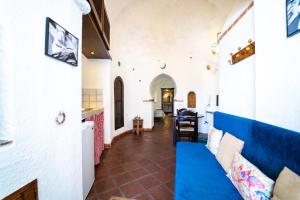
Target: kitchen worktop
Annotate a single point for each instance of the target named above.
(87, 112)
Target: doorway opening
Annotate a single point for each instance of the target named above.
(119, 102)
(167, 100)
(163, 91)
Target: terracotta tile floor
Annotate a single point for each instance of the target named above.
(138, 166)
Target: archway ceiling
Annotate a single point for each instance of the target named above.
(119, 8)
(143, 31)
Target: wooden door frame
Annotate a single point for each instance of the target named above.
(172, 89)
(118, 78)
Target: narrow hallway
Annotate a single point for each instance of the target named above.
(138, 166)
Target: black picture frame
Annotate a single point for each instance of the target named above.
(292, 17)
(60, 44)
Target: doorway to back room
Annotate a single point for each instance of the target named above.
(167, 100)
(163, 91)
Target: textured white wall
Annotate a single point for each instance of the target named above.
(96, 73)
(7, 99)
(236, 82)
(92, 70)
(147, 34)
(266, 86)
(42, 86)
(277, 67)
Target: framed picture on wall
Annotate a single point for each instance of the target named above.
(293, 17)
(60, 43)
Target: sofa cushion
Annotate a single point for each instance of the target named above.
(287, 185)
(228, 147)
(200, 176)
(214, 139)
(268, 147)
(249, 180)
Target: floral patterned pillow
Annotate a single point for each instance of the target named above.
(251, 183)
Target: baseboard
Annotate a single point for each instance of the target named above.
(108, 146)
(148, 129)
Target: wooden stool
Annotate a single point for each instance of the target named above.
(137, 126)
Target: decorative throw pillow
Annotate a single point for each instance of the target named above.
(249, 180)
(213, 140)
(287, 186)
(228, 147)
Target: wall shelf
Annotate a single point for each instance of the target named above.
(96, 31)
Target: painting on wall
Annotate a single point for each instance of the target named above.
(60, 44)
(293, 17)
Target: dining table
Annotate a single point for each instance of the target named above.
(175, 118)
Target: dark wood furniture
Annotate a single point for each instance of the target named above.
(96, 31)
(184, 120)
(187, 125)
(27, 192)
(138, 126)
(181, 110)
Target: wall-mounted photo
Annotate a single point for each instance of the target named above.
(293, 17)
(60, 44)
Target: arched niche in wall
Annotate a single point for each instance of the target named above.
(191, 99)
(119, 102)
(7, 90)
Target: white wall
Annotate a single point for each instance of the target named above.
(7, 103)
(92, 71)
(266, 86)
(96, 73)
(43, 86)
(147, 34)
(236, 82)
(277, 67)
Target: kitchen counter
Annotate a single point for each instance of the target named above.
(90, 111)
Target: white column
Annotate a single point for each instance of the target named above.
(7, 117)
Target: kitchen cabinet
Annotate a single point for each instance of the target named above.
(98, 119)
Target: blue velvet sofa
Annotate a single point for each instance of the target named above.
(270, 148)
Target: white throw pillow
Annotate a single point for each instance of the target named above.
(229, 145)
(214, 139)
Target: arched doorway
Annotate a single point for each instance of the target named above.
(163, 90)
(119, 102)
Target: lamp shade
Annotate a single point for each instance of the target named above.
(84, 6)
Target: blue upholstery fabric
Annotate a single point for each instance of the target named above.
(270, 148)
(200, 176)
(275, 148)
(241, 128)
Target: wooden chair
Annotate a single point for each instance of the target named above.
(186, 126)
(188, 122)
(181, 110)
